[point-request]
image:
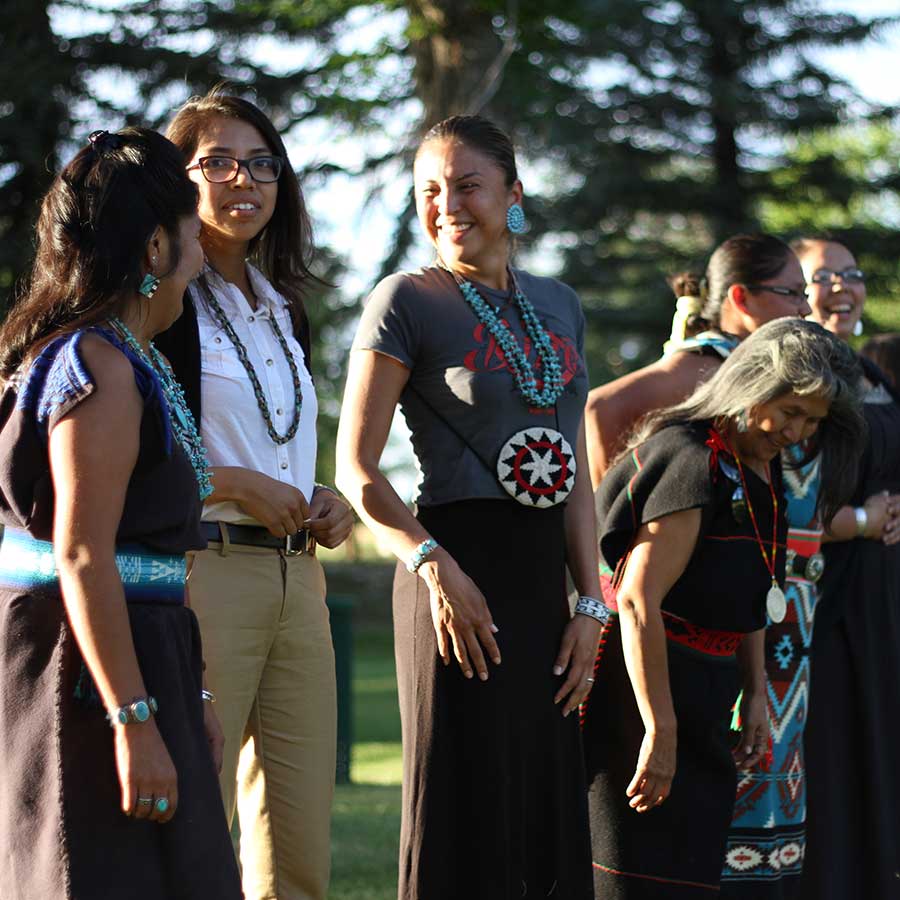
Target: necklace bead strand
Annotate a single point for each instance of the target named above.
(180, 416)
(522, 369)
(261, 401)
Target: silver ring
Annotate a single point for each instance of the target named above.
(589, 680)
(145, 801)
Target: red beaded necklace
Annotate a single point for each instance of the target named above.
(776, 605)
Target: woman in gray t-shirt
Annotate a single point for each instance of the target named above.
(486, 363)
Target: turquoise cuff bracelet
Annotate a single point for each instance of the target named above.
(139, 710)
(420, 554)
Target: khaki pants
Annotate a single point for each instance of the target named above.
(270, 663)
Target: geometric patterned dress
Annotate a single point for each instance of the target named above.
(767, 841)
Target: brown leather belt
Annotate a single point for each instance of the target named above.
(257, 536)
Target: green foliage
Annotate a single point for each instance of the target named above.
(648, 130)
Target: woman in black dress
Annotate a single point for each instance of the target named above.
(108, 783)
(853, 824)
(692, 546)
(486, 363)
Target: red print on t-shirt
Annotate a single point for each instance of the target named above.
(489, 357)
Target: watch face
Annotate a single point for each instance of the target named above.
(141, 711)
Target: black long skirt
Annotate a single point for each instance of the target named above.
(63, 835)
(674, 851)
(494, 798)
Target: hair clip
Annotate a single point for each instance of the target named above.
(102, 140)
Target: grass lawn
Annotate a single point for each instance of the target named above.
(366, 820)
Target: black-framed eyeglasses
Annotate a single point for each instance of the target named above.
(797, 294)
(852, 275)
(222, 169)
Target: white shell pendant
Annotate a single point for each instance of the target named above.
(776, 604)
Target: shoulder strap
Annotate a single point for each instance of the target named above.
(492, 469)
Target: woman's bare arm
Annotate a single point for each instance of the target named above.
(93, 451)
(661, 553)
(461, 617)
(613, 409)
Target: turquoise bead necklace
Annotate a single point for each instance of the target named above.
(523, 371)
(179, 413)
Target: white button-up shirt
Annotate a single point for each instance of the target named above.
(232, 425)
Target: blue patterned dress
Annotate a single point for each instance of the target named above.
(767, 841)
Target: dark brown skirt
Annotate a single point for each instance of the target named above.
(494, 800)
(63, 835)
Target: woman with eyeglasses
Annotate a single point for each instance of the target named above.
(692, 538)
(851, 738)
(242, 352)
(750, 280)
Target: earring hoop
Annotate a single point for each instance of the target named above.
(515, 219)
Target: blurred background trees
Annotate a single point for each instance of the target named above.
(648, 130)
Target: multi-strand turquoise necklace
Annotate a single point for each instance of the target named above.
(522, 370)
(183, 424)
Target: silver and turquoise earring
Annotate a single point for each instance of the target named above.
(149, 285)
(515, 219)
(741, 422)
(858, 328)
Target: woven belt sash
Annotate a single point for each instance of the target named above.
(708, 641)
(29, 564)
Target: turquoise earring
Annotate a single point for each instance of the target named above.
(149, 285)
(515, 219)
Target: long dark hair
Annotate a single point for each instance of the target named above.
(742, 259)
(92, 234)
(283, 251)
(782, 356)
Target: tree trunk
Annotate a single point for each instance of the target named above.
(454, 48)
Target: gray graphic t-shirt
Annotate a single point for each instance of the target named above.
(461, 402)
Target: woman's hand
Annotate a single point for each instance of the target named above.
(652, 781)
(460, 615)
(330, 518)
(577, 653)
(754, 741)
(280, 507)
(883, 517)
(146, 771)
(214, 735)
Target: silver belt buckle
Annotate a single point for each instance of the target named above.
(298, 543)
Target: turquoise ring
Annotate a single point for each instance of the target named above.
(162, 805)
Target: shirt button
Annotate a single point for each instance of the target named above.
(278, 411)
(269, 362)
(218, 340)
(251, 318)
(284, 465)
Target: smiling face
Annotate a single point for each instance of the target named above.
(235, 212)
(836, 304)
(776, 424)
(462, 198)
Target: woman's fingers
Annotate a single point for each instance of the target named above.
(460, 652)
(143, 804)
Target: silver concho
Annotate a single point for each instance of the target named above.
(536, 466)
(776, 605)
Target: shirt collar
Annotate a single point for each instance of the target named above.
(268, 299)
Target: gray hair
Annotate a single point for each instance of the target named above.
(783, 356)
